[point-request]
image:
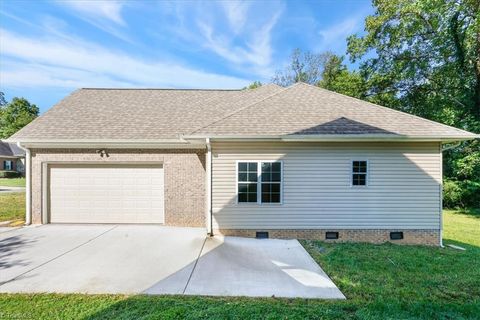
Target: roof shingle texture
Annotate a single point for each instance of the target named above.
(10, 150)
(149, 114)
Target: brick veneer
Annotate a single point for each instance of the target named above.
(184, 172)
(418, 236)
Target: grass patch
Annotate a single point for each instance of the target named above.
(12, 207)
(12, 182)
(381, 282)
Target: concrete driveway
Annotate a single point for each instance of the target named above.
(151, 259)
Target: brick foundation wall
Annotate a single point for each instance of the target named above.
(184, 174)
(428, 237)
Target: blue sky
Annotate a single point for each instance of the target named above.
(50, 48)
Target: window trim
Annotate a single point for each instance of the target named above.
(259, 184)
(367, 174)
(10, 162)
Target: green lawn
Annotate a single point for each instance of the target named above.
(12, 207)
(381, 282)
(12, 182)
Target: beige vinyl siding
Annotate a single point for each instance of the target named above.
(404, 186)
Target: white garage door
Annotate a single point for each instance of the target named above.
(106, 194)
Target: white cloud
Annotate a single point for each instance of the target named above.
(103, 14)
(333, 37)
(236, 12)
(50, 62)
(252, 50)
(105, 9)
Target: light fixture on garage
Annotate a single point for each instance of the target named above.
(102, 153)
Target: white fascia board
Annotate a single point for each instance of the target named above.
(113, 144)
(332, 138)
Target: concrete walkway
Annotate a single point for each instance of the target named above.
(4, 189)
(152, 259)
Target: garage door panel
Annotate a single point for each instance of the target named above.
(106, 194)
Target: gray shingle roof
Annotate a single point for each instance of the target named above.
(10, 150)
(149, 114)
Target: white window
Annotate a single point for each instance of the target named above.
(359, 172)
(7, 165)
(259, 182)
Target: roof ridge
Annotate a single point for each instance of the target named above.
(241, 109)
(160, 89)
(383, 107)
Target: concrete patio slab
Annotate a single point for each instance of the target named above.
(233, 266)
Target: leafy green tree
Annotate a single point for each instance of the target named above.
(303, 67)
(3, 101)
(336, 77)
(15, 115)
(253, 85)
(426, 53)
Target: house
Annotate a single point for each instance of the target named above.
(299, 162)
(12, 158)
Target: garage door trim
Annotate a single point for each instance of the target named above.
(45, 169)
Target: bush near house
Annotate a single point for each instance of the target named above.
(9, 174)
(461, 194)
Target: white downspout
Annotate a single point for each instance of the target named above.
(441, 196)
(209, 187)
(28, 185)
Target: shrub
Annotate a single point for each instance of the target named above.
(461, 194)
(9, 174)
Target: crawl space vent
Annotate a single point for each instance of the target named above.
(396, 235)
(262, 235)
(331, 235)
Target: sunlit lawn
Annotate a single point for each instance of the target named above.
(12, 182)
(12, 207)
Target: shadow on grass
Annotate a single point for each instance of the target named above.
(471, 212)
(194, 307)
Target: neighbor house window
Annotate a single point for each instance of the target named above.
(259, 182)
(7, 165)
(359, 173)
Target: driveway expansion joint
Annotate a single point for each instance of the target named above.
(194, 266)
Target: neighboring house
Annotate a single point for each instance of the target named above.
(299, 162)
(12, 158)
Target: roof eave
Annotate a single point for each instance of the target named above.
(333, 138)
(112, 143)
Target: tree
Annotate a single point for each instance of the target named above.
(426, 53)
(336, 77)
(3, 101)
(253, 85)
(303, 67)
(15, 115)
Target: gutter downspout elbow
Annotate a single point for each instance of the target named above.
(28, 184)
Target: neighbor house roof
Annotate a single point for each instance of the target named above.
(270, 110)
(10, 150)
